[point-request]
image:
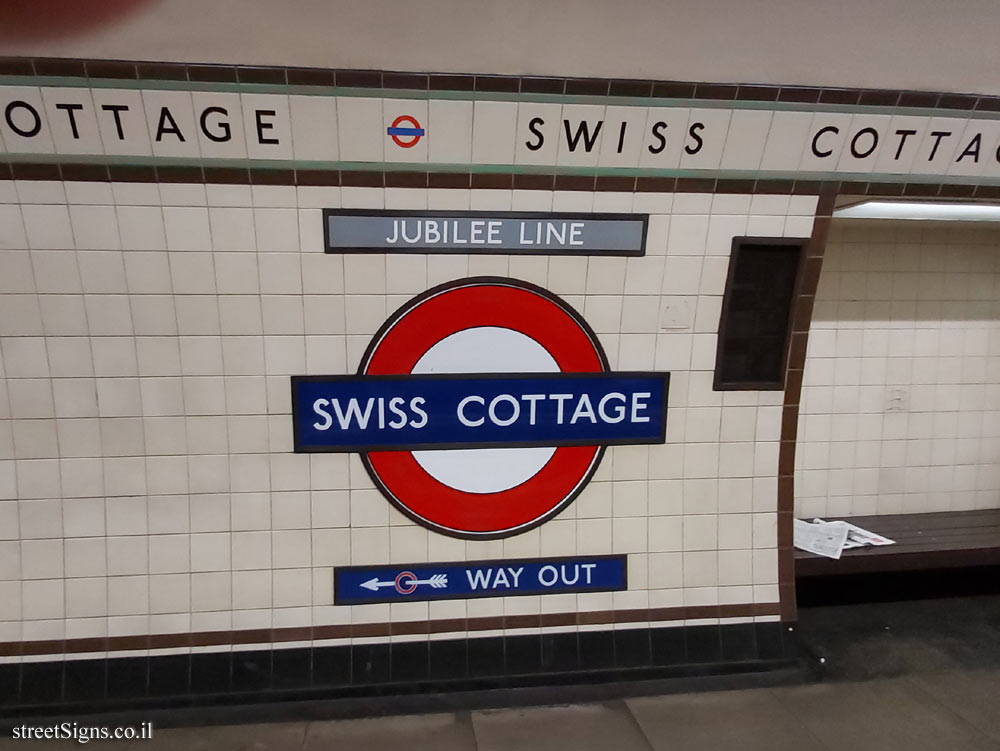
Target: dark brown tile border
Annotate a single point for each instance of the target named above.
(119, 69)
(60, 67)
(406, 628)
(212, 73)
(252, 636)
(534, 182)
(449, 180)
(498, 84)
(25, 171)
(367, 79)
(406, 179)
(162, 71)
(722, 91)
(379, 630)
(507, 84)
(840, 96)
(16, 66)
(255, 74)
(85, 173)
(227, 175)
(492, 181)
(475, 180)
(795, 366)
(130, 174)
(801, 94)
(311, 77)
(448, 82)
(557, 619)
(363, 179)
(180, 175)
(631, 88)
(758, 93)
(413, 81)
(588, 86)
(331, 632)
(575, 182)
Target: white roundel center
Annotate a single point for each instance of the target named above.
(485, 349)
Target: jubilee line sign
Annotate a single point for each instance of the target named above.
(372, 231)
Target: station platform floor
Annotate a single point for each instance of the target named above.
(911, 674)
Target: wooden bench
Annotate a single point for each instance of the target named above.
(950, 539)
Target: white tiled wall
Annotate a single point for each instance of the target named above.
(900, 404)
(147, 480)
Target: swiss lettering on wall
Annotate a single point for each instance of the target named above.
(481, 407)
(613, 133)
(484, 232)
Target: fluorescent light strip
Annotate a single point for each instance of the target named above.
(953, 212)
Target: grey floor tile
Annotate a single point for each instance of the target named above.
(885, 715)
(973, 695)
(583, 727)
(744, 720)
(278, 736)
(432, 732)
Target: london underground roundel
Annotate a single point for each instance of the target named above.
(484, 326)
(481, 408)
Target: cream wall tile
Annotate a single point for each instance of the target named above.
(411, 150)
(623, 141)
(314, 127)
(360, 130)
(786, 140)
(494, 132)
(746, 139)
(866, 136)
(665, 136)
(220, 124)
(171, 123)
(538, 133)
(940, 146)
(828, 134)
(25, 130)
(70, 116)
(449, 131)
(582, 131)
(705, 139)
(122, 121)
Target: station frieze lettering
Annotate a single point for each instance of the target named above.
(600, 132)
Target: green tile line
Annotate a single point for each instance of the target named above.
(342, 91)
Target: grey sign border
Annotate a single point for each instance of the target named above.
(452, 214)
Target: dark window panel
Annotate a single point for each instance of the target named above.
(755, 325)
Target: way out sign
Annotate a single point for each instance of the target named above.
(357, 585)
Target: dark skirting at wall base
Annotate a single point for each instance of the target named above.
(409, 668)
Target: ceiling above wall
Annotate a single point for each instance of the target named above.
(896, 44)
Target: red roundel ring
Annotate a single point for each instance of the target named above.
(446, 310)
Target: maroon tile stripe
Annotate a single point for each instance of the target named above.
(373, 630)
(405, 80)
(77, 172)
(801, 320)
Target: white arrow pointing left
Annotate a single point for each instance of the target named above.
(373, 584)
(437, 581)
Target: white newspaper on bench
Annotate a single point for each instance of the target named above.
(830, 539)
(822, 539)
(858, 537)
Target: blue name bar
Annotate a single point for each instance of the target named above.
(370, 413)
(357, 585)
